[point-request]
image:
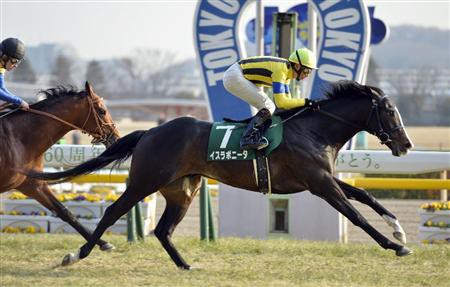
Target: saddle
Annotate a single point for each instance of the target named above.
(223, 145)
(244, 121)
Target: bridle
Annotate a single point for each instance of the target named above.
(98, 134)
(380, 132)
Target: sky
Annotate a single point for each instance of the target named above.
(104, 29)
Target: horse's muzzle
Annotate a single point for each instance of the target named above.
(110, 140)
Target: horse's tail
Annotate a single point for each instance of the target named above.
(119, 152)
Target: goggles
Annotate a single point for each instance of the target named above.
(14, 61)
(306, 71)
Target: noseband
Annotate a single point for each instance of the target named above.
(98, 134)
(381, 134)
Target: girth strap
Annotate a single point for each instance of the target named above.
(262, 172)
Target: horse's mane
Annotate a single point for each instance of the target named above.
(53, 95)
(343, 89)
(346, 89)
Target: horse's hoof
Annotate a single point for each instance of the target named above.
(400, 236)
(107, 247)
(69, 259)
(185, 267)
(403, 251)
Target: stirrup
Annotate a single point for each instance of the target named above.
(264, 142)
(259, 144)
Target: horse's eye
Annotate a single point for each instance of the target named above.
(391, 113)
(101, 111)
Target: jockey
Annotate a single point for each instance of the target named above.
(243, 78)
(12, 51)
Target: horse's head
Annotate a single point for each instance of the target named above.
(99, 123)
(386, 123)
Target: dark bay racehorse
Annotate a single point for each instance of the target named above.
(172, 158)
(25, 136)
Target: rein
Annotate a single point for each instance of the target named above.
(58, 119)
(8, 113)
(381, 134)
(336, 117)
(285, 120)
(98, 135)
(34, 111)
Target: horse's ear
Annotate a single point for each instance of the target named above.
(88, 88)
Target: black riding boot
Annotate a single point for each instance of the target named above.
(253, 135)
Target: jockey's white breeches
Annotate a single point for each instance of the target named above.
(235, 83)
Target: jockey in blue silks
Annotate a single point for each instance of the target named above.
(12, 51)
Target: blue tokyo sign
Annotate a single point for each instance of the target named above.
(218, 46)
(342, 48)
(379, 30)
(343, 45)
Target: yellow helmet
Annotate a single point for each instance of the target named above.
(304, 57)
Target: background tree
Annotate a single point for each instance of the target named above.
(24, 73)
(413, 88)
(443, 110)
(96, 77)
(149, 72)
(373, 79)
(62, 71)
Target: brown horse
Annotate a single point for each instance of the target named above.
(25, 136)
(173, 157)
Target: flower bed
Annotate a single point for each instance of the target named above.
(24, 207)
(22, 214)
(435, 222)
(24, 223)
(85, 209)
(436, 206)
(434, 235)
(79, 206)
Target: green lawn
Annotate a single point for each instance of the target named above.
(32, 260)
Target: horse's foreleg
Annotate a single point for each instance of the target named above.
(329, 190)
(43, 194)
(179, 196)
(363, 196)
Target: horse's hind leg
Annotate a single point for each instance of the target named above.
(132, 195)
(363, 196)
(327, 188)
(165, 227)
(179, 195)
(42, 193)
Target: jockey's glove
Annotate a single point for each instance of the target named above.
(312, 104)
